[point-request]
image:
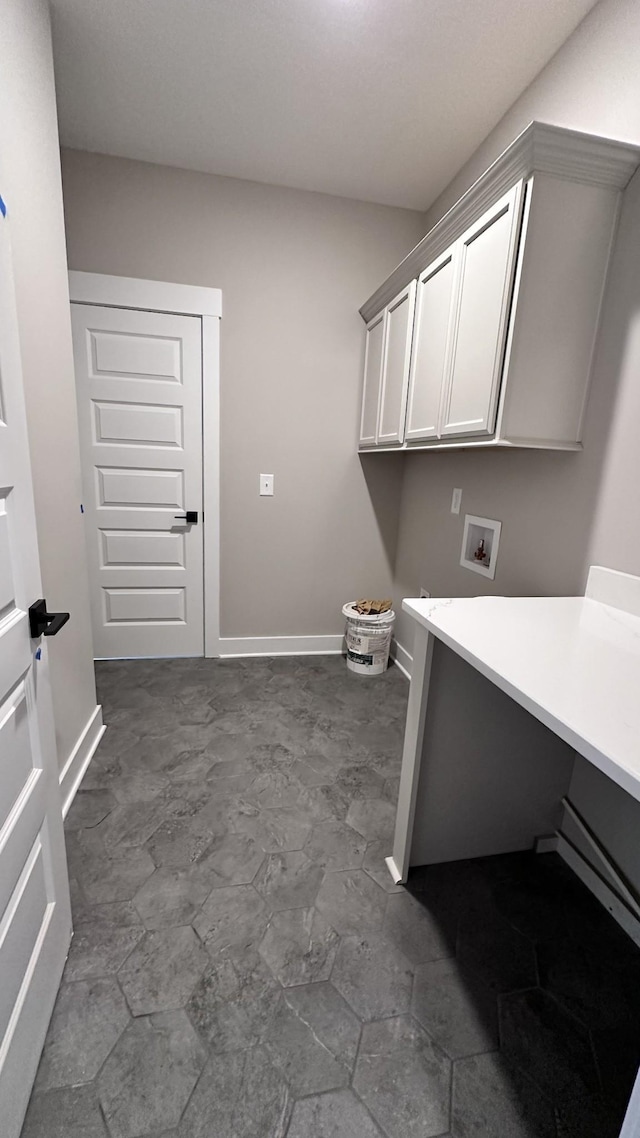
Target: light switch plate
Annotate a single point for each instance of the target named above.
(266, 485)
(456, 500)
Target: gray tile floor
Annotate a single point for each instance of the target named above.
(243, 967)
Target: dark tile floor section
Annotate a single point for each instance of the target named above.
(243, 966)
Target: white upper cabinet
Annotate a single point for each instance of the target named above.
(373, 356)
(395, 369)
(431, 339)
(486, 254)
(386, 372)
(507, 290)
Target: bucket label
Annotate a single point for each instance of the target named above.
(367, 645)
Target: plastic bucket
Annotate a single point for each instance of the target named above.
(368, 641)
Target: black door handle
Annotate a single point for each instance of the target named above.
(43, 623)
(191, 517)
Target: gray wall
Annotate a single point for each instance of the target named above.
(560, 513)
(294, 268)
(32, 188)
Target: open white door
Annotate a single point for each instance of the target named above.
(139, 386)
(35, 914)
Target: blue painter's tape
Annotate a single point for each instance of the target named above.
(3, 208)
(38, 653)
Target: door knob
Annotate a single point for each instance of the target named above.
(43, 623)
(191, 517)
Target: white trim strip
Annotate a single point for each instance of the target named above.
(281, 645)
(401, 658)
(301, 646)
(612, 903)
(158, 296)
(412, 751)
(601, 856)
(211, 482)
(396, 876)
(631, 1124)
(76, 765)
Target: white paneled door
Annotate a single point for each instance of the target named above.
(35, 915)
(139, 384)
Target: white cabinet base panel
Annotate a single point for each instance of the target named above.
(492, 777)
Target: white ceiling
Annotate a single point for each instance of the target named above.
(381, 100)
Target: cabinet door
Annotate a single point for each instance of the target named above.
(395, 369)
(373, 357)
(487, 254)
(430, 350)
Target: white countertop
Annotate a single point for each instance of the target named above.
(573, 662)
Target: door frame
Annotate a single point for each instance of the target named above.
(181, 300)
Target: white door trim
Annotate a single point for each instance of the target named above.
(157, 296)
(183, 300)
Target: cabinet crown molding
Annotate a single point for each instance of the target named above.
(541, 147)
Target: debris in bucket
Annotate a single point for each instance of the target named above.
(372, 608)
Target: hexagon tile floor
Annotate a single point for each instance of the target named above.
(243, 967)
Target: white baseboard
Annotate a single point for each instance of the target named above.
(281, 645)
(237, 646)
(401, 658)
(605, 894)
(74, 769)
